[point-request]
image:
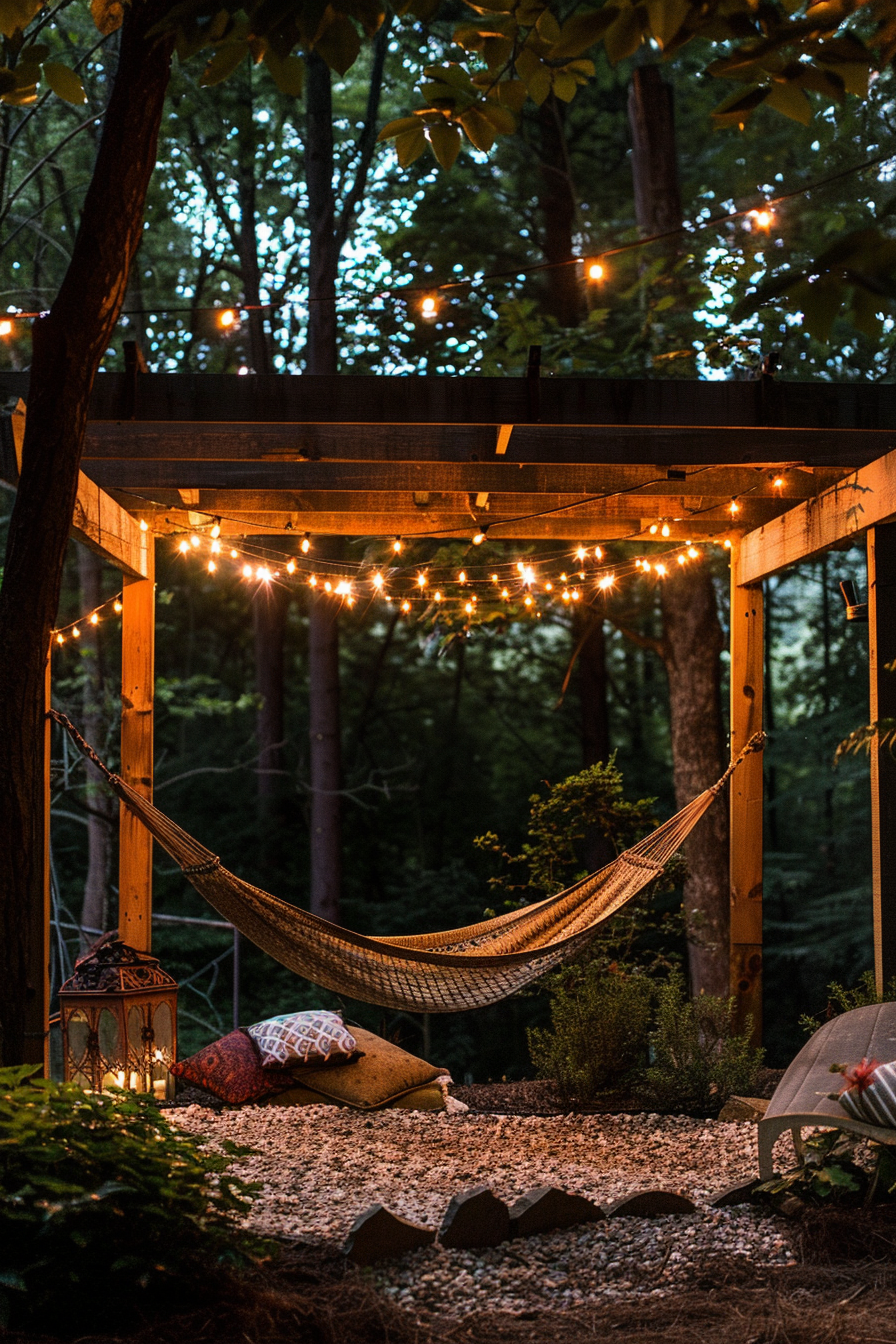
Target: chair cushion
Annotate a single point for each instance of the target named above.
(870, 1093)
(231, 1070)
(308, 1038)
(382, 1075)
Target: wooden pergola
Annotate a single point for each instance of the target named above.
(384, 456)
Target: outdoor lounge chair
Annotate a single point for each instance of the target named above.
(802, 1098)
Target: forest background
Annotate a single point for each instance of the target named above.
(443, 741)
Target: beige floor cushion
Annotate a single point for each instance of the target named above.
(385, 1075)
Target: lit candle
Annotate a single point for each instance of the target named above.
(134, 1083)
(160, 1089)
(119, 1078)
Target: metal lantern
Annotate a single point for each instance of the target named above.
(119, 1020)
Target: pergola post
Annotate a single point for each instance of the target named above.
(137, 678)
(37, 1006)
(746, 799)
(882, 651)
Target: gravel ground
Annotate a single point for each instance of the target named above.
(320, 1167)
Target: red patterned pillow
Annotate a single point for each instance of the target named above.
(230, 1069)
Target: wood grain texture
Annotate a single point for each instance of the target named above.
(746, 797)
(137, 685)
(860, 500)
(101, 523)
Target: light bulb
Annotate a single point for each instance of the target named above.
(594, 270)
(505, 594)
(144, 525)
(378, 581)
(664, 530)
(312, 582)
(94, 619)
(212, 566)
(429, 307)
(778, 482)
(654, 528)
(549, 587)
(263, 573)
(227, 318)
(397, 545)
(305, 544)
(682, 559)
(565, 594)
(421, 580)
(76, 633)
(733, 507)
(763, 219)
(247, 571)
(598, 553)
(234, 555)
(6, 329)
(479, 536)
(183, 546)
(328, 587)
(581, 553)
(437, 596)
(661, 569)
(216, 528)
(527, 601)
(462, 576)
(468, 608)
(405, 606)
(575, 594)
(60, 638)
(494, 578)
(116, 606)
(693, 552)
(528, 575)
(290, 566)
(194, 541)
(215, 548)
(607, 581)
(727, 544)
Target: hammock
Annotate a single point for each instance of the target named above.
(444, 972)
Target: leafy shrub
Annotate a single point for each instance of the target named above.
(104, 1203)
(828, 1173)
(598, 1038)
(843, 1000)
(699, 1061)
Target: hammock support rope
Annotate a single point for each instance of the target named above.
(445, 972)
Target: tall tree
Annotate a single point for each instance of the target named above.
(101, 812)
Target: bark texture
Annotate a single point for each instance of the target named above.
(557, 204)
(270, 609)
(68, 345)
(325, 756)
(692, 642)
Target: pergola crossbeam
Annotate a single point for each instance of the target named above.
(861, 500)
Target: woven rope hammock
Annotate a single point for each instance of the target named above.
(431, 972)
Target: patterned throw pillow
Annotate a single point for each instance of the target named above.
(870, 1092)
(302, 1038)
(230, 1069)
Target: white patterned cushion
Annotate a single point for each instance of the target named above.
(302, 1038)
(870, 1093)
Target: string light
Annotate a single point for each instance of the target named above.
(594, 270)
(581, 553)
(94, 618)
(598, 554)
(116, 606)
(247, 571)
(397, 546)
(212, 566)
(480, 535)
(763, 219)
(421, 580)
(290, 566)
(734, 508)
(606, 581)
(429, 307)
(227, 319)
(665, 530)
(654, 528)
(378, 581)
(305, 544)
(462, 576)
(778, 483)
(5, 327)
(405, 606)
(144, 525)
(184, 546)
(216, 528)
(194, 541)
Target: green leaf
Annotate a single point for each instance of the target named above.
(666, 18)
(512, 93)
(479, 131)
(582, 31)
(564, 86)
(623, 37)
(339, 44)
(791, 101)
(107, 15)
(547, 27)
(17, 14)
(501, 118)
(393, 128)
(64, 82)
(738, 106)
(409, 145)
(445, 141)
(288, 73)
(225, 60)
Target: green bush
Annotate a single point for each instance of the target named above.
(843, 1000)
(103, 1203)
(598, 1038)
(698, 1060)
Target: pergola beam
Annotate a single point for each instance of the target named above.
(861, 500)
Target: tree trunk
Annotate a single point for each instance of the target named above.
(593, 687)
(692, 642)
(326, 756)
(323, 248)
(68, 345)
(101, 809)
(250, 270)
(557, 203)
(270, 609)
(692, 634)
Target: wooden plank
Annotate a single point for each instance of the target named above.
(657, 444)
(472, 478)
(746, 798)
(99, 521)
(881, 651)
(137, 684)
(861, 500)
(102, 524)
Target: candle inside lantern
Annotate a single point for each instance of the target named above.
(159, 1089)
(119, 1078)
(134, 1083)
